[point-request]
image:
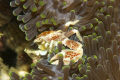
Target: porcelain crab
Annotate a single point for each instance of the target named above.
(49, 39)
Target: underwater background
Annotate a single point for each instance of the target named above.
(21, 22)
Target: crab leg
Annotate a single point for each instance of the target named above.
(54, 57)
(35, 54)
(71, 32)
(51, 45)
(68, 24)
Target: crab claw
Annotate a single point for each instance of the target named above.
(54, 57)
(65, 60)
(35, 53)
(68, 55)
(55, 62)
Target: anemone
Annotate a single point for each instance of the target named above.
(5, 13)
(36, 17)
(98, 25)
